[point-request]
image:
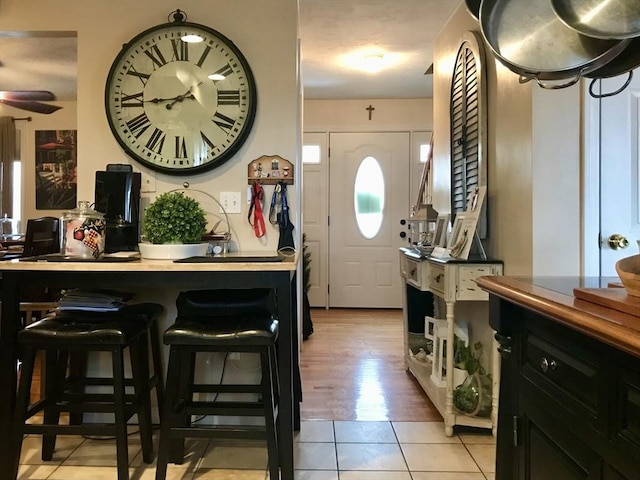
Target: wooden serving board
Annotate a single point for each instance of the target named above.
(615, 298)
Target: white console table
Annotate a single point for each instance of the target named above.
(452, 281)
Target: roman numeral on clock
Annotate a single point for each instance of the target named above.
(181, 147)
(138, 125)
(224, 122)
(224, 71)
(156, 141)
(156, 56)
(228, 97)
(180, 50)
(134, 100)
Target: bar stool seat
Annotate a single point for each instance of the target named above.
(219, 321)
(67, 337)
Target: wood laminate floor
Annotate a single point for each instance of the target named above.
(352, 368)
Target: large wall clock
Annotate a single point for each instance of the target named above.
(468, 116)
(179, 107)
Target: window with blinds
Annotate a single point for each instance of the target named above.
(468, 126)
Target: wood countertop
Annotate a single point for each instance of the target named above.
(555, 298)
(289, 263)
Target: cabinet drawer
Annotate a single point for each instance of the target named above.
(467, 287)
(567, 369)
(437, 279)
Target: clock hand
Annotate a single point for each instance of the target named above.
(179, 98)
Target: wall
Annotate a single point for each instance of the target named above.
(533, 155)
(353, 116)
(103, 27)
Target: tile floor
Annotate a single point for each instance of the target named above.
(324, 450)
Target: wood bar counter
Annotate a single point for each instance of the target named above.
(570, 378)
(154, 274)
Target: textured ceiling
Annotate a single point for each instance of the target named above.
(329, 29)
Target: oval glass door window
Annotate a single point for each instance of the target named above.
(368, 197)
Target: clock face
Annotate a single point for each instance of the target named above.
(178, 107)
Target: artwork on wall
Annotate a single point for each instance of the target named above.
(56, 169)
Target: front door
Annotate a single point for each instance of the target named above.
(619, 170)
(369, 195)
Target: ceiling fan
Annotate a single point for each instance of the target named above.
(30, 100)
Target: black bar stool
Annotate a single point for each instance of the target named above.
(219, 321)
(65, 337)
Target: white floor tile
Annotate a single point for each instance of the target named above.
(485, 457)
(422, 432)
(315, 475)
(314, 456)
(436, 457)
(235, 455)
(370, 456)
(446, 476)
(364, 432)
(315, 431)
(353, 475)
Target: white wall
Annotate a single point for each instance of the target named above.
(103, 27)
(353, 116)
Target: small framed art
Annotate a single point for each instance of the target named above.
(442, 228)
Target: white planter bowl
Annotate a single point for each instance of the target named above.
(172, 251)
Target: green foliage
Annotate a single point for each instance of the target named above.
(174, 218)
(467, 357)
(306, 265)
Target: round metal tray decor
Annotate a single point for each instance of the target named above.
(600, 18)
(529, 38)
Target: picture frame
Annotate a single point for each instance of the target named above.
(455, 231)
(442, 227)
(462, 235)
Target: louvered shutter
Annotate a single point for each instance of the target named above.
(468, 169)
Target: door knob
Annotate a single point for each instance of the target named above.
(618, 242)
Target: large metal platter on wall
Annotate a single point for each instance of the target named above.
(600, 18)
(529, 39)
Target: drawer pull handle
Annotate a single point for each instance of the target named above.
(438, 277)
(546, 365)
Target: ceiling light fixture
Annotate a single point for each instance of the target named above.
(370, 60)
(373, 62)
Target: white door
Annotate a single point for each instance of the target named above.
(368, 196)
(315, 173)
(619, 170)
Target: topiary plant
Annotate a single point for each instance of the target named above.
(174, 218)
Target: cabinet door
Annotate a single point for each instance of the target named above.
(624, 450)
(609, 473)
(551, 452)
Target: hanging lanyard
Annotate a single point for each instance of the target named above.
(257, 197)
(279, 210)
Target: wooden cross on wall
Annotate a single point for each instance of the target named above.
(370, 109)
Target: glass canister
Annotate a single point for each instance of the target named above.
(83, 232)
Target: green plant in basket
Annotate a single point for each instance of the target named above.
(174, 218)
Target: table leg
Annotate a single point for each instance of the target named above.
(9, 325)
(286, 346)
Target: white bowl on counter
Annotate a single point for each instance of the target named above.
(172, 251)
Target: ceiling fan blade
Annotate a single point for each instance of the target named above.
(35, 107)
(37, 95)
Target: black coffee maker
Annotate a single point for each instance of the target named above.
(117, 195)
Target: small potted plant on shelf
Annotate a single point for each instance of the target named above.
(473, 395)
(172, 227)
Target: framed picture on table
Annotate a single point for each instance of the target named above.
(442, 228)
(462, 235)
